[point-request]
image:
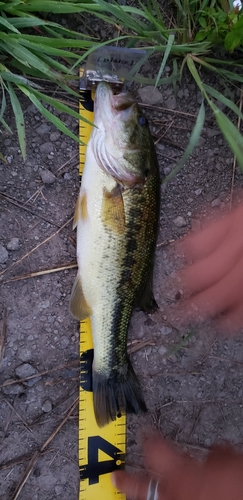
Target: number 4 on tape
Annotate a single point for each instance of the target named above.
(101, 450)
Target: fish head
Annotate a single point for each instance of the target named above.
(122, 141)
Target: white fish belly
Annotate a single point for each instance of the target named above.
(99, 253)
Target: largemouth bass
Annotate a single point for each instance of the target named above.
(116, 215)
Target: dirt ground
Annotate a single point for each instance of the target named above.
(193, 388)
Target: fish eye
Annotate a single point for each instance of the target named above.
(142, 121)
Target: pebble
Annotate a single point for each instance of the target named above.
(211, 132)
(216, 202)
(198, 192)
(162, 350)
(24, 354)
(201, 141)
(13, 244)
(167, 170)
(47, 406)
(150, 95)
(44, 304)
(26, 370)
(170, 103)
(160, 146)
(32, 109)
(47, 176)
(55, 136)
(43, 129)
(165, 330)
(3, 254)
(180, 94)
(179, 221)
(64, 342)
(13, 389)
(9, 160)
(46, 148)
(58, 490)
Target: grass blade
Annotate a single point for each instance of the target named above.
(19, 119)
(220, 97)
(196, 132)
(231, 134)
(8, 25)
(53, 119)
(166, 55)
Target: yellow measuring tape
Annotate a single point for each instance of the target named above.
(101, 450)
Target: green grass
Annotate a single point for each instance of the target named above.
(203, 36)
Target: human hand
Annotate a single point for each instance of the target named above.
(172, 476)
(213, 282)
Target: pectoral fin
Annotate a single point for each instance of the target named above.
(81, 211)
(79, 307)
(113, 214)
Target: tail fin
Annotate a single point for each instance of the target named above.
(116, 394)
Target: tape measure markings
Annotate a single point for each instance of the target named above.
(100, 450)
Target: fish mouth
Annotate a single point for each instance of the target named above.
(106, 101)
(122, 101)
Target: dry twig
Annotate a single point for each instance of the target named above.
(3, 333)
(38, 453)
(35, 248)
(41, 273)
(17, 203)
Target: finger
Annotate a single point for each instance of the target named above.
(222, 296)
(205, 242)
(207, 272)
(160, 456)
(134, 486)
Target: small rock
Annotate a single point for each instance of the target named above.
(55, 136)
(180, 93)
(198, 192)
(43, 129)
(160, 146)
(58, 490)
(32, 109)
(47, 176)
(44, 304)
(150, 95)
(162, 350)
(47, 406)
(211, 132)
(3, 254)
(26, 370)
(170, 103)
(12, 389)
(201, 141)
(216, 202)
(67, 176)
(24, 354)
(13, 244)
(179, 221)
(165, 330)
(167, 170)
(9, 159)
(46, 148)
(64, 342)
